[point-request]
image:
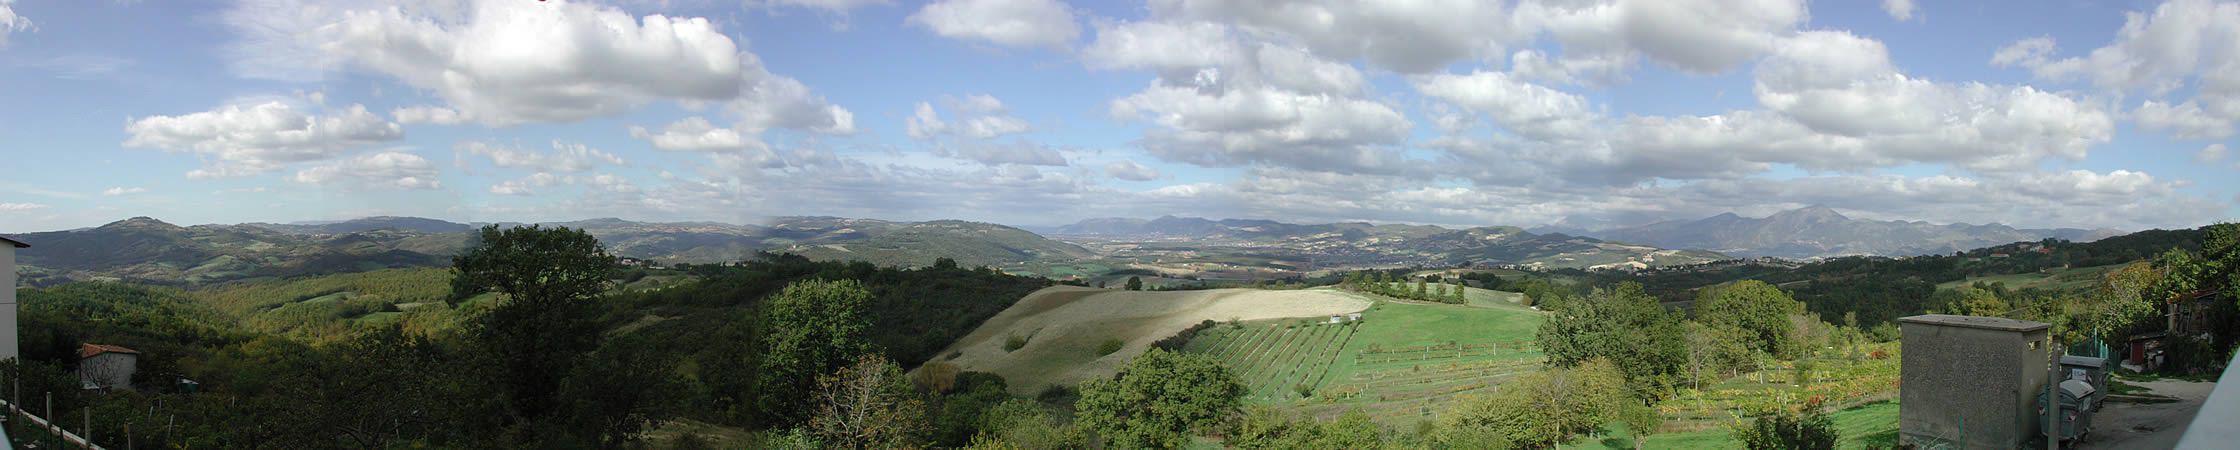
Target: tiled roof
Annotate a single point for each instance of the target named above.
(89, 350)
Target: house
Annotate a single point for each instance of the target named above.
(102, 366)
(1334, 318)
(1355, 317)
(8, 296)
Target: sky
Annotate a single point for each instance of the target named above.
(1578, 113)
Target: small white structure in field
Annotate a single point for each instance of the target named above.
(102, 366)
(1334, 318)
(8, 296)
(1355, 317)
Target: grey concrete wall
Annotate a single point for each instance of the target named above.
(7, 301)
(1970, 386)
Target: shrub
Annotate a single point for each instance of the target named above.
(1783, 429)
(1303, 390)
(1014, 343)
(1109, 346)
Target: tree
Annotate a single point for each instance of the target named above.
(1642, 420)
(1025, 424)
(1461, 292)
(1782, 429)
(1422, 293)
(1753, 306)
(1623, 325)
(543, 322)
(868, 405)
(944, 264)
(1546, 407)
(1441, 293)
(813, 327)
(1135, 283)
(1158, 399)
(1970, 300)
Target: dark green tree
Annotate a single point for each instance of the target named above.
(1624, 325)
(1159, 399)
(812, 328)
(1135, 283)
(544, 320)
(1753, 306)
(1783, 429)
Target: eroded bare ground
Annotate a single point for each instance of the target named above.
(2135, 425)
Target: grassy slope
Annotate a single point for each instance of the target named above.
(1858, 427)
(1395, 384)
(2057, 279)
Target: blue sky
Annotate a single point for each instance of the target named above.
(2042, 114)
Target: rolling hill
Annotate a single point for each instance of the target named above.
(1366, 244)
(152, 251)
(1819, 231)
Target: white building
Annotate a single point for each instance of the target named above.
(8, 297)
(102, 366)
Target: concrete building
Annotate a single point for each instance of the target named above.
(104, 367)
(1970, 382)
(8, 333)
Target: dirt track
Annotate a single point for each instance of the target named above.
(1066, 323)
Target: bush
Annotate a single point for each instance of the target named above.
(1109, 346)
(1303, 390)
(1784, 429)
(1013, 343)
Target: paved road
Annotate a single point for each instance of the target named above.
(2122, 425)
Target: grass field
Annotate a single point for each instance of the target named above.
(1402, 363)
(1873, 425)
(2057, 279)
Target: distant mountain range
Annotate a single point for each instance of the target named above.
(148, 250)
(1819, 231)
(1361, 243)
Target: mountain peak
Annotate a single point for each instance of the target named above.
(141, 222)
(1820, 212)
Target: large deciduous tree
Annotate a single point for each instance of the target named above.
(1543, 408)
(868, 405)
(1158, 399)
(811, 328)
(1753, 306)
(1624, 325)
(543, 321)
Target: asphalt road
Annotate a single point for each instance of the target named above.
(2122, 425)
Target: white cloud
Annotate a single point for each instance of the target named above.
(248, 139)
(1015, 23)
(1015, 152)
(1898, 9)
(2210, 154)
(983, 117)
(20, 206)
(10, 22)
(121, 190)
(1229, 125)
(2185, 120)
(831, 6)
(1129, 170)
(1524, 108)
(429, 114)
(2181, 44)
(695, 134)
(388, 169)
(564, 157)
(1408, 37)
(1161, 46)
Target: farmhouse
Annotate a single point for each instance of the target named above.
(102, 366)
(8, 296)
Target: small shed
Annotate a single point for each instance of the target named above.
(103, 366)
(1970, 382)
(8, 296)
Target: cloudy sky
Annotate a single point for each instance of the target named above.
(1580, 112)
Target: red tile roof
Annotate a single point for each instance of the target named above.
(89, 350)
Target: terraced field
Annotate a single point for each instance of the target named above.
(1401, 363)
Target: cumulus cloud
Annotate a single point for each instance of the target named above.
(983, 117)
(10, 22)
(1014, 152)
(2182, 43)
(1015, 23)
(1129, 170)
(695, 134)
(1521, 107)
(1408, 37)
(590, 60)
(2210, 154)
(121, 190)
(388, 169)
(1898, 9)
(564, 156)
(429, 114)
(248, 139)
(831, 6)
